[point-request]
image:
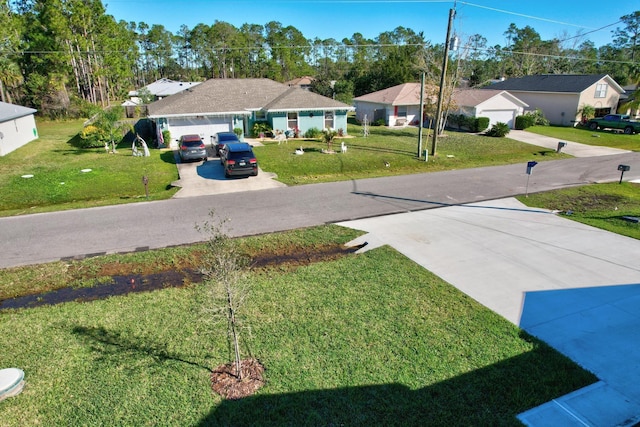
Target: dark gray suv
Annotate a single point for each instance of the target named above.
(238, 159)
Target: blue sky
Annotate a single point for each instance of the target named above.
(340, 19)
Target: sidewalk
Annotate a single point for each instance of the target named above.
(572, 148)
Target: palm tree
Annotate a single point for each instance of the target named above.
(633, 103)
(587, 112)
(328, 135)
(10, 77)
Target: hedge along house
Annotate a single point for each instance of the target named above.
(222, 105)
(17, 127)
(560, 96)
(398, 105)
(496, 105)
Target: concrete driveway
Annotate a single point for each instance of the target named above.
(207, 178)
(573, 286)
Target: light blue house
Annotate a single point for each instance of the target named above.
(222, 105)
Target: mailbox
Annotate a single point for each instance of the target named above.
(561, 145)
(623, 169)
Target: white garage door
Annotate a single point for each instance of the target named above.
(205, 127)
(503, 116)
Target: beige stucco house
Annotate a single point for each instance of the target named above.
(560, 96)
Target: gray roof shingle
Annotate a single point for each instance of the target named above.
(239, 96)
(562, 83)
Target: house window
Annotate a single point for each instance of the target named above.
(261, 116)
(601, 90)
(328, 120)
(402, 111)
(292, 120)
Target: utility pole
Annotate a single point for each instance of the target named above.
(445, 61)
(421, 116)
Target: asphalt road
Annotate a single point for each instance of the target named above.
(38, 238)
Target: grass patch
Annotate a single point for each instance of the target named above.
(58, 182)
(598, 205)
(605, 138)
(367, 157)
(369, 339)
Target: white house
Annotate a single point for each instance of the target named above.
(398, 105)
(17, 127)
(497, 105)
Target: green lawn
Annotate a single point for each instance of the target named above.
(370, 339)
(58, 181)
(598, 205)
(367, 157)
(605, 138)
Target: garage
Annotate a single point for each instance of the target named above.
(496, 105)
(502, 116)
(206, 127)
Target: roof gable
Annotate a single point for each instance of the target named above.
(12, 111)
(402, 94)
(296, 98)
(475, 97)
(559, 83)
(239, 96)
(165, 87)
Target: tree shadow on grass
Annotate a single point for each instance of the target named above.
(110, 344)
(492, 395)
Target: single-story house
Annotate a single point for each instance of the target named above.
(157, 90)
(303, 82)
(17, 127)
(560, 96)
(398, 105)
(497, 105)
(222, 105)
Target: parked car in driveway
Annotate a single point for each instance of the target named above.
(237, 159)
(192, 148)
(221, 138)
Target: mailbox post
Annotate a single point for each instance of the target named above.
(530, 166)
(623, 169)
(561, 145)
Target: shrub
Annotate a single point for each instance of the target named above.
(166, 137)
(499, 130)
(313, 133)
(260, 127)
(461, 121)
(525, 121)
(480, 124)
(91, 137)
(238, 132)
(378, 122)
(538, 117)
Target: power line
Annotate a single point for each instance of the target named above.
(524, 15)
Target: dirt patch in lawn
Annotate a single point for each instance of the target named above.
(227, 383)
(120, 281)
